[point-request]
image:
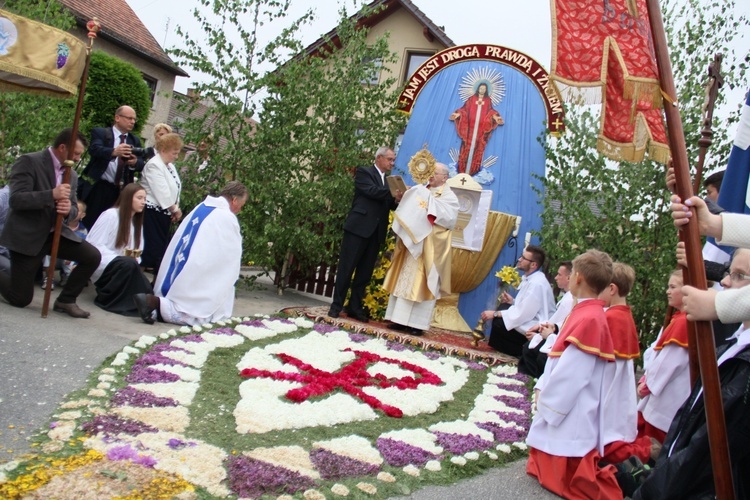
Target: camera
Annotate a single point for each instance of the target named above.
(137, 151)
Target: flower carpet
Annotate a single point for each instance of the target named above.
(275, 407)
(436, 339)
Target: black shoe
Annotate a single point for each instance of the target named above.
(406, 329)
(146, 305)
(334, 313)
(631, 474)
(358, 316)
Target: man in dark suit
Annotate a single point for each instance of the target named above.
(37, 195)
(112, 164)
(364, 233)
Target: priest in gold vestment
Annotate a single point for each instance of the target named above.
(420, 272)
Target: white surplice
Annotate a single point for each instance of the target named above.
(103, 236)
(201, 265)
(412, 226)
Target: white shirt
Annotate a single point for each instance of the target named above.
(533, 304)
(111, 172)
(103, 236)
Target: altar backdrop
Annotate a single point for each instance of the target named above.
(433, 94)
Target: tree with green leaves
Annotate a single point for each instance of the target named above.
(28, 122)
(621, 208)
(113, 83)
(317, 122)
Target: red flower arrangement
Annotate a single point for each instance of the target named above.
(352, 378)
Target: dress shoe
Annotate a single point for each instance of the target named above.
(406, 329)
(358, 316)
(146, 305)
(71, 309)
(334, 313)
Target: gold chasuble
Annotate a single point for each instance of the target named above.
(421, 267)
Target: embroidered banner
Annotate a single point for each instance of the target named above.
(604, 50)
(38, 58)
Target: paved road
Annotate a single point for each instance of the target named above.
(42, 360)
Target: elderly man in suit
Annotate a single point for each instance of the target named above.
(37, 195)
(112, 164)
(364, 233)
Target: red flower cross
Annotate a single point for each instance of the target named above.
(352, 378)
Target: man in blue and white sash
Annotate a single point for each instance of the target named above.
(195, 284)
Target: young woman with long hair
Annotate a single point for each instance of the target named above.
(118, 235)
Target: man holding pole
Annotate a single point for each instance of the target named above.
(37, 195)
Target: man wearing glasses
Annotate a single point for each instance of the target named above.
(533, 304)
(686, 444)
(112, 164)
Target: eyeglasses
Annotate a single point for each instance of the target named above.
(527, 260)
(133, 118)
(735, 277)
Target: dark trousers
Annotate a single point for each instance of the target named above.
(155, 238)
(504, 340)
(102, 196)
(18, 286)
(532, 361)
(357, 256)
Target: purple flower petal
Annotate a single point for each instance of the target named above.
(250, 478)
(503, 434)
(459, 444)
(130, 396)
(359, 337)
(155, 357)
(400, 454)
(324, 328)
(142, 374)
(126, 452)
(254, 323)
(111, 425)
(471, 365)
(192, 338)
(333, 466)
(224, 331)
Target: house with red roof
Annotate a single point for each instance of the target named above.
(123, 35)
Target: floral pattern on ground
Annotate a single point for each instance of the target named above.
(342, 413)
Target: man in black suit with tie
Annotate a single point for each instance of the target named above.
(364, 233)
(37, 195)
(112, 163)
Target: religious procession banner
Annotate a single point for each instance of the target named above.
(484, 111)
(38, 58)
(602, 52)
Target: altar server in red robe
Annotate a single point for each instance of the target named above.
(666, 384)
(621, 402)
(566, 438)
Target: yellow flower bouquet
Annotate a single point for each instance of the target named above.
(509, 277)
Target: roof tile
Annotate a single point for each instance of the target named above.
(122, 26)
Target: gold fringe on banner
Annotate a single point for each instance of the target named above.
(38, 58)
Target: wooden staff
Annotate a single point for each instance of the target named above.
(712, 91)
(716, 425)
(93, 27)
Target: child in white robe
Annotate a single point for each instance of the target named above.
(566, 435)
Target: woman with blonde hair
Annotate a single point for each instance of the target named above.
(162, 184)
(160, 129)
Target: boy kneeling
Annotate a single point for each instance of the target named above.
(566, 436)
